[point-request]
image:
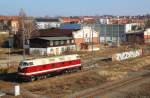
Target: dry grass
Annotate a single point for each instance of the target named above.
(67, 85)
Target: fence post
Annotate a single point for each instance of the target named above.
(17, 90)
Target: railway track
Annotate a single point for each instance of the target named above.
(89, 65)
(102, 89)
(98, 91)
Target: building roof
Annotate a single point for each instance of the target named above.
(70, 26)
(136, 32)
(53, 32)
(47, 20)
(9, 17)
(70, 19)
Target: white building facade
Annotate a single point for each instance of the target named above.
(47, 23)
(88, 36)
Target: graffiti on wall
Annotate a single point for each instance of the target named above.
(126, 55)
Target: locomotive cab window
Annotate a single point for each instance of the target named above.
(23, 64)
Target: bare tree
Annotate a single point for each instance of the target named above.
(27, 26)
(22, 13)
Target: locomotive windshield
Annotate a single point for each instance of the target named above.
(23, 64)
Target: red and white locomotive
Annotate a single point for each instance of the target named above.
(31, 70)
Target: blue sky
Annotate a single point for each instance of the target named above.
(75, 7)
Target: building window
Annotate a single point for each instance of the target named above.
(51, 43)
(62, 49)
(68, 41)
(87, 39)
(51, 50)
(56, 43)
(62, 42)
(45, 26)
(72, 41)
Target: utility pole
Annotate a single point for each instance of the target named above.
(9, 46)
(92, 27)
(118, 42)
(105, 33)
(23, 37)
(22, 15)
(91, 41)
(112, 40)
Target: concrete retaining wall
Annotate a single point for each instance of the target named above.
(127, 55)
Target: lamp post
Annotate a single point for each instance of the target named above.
(23, 36)
(105, 35)
(92, 27)
(118, 42)
(10, 43)
(9, 46)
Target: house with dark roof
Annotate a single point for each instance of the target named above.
(47, 23)
(52, 42)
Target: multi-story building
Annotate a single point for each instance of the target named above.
(116, 33)
(9, 23)
(47, 23)
(111, 33)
